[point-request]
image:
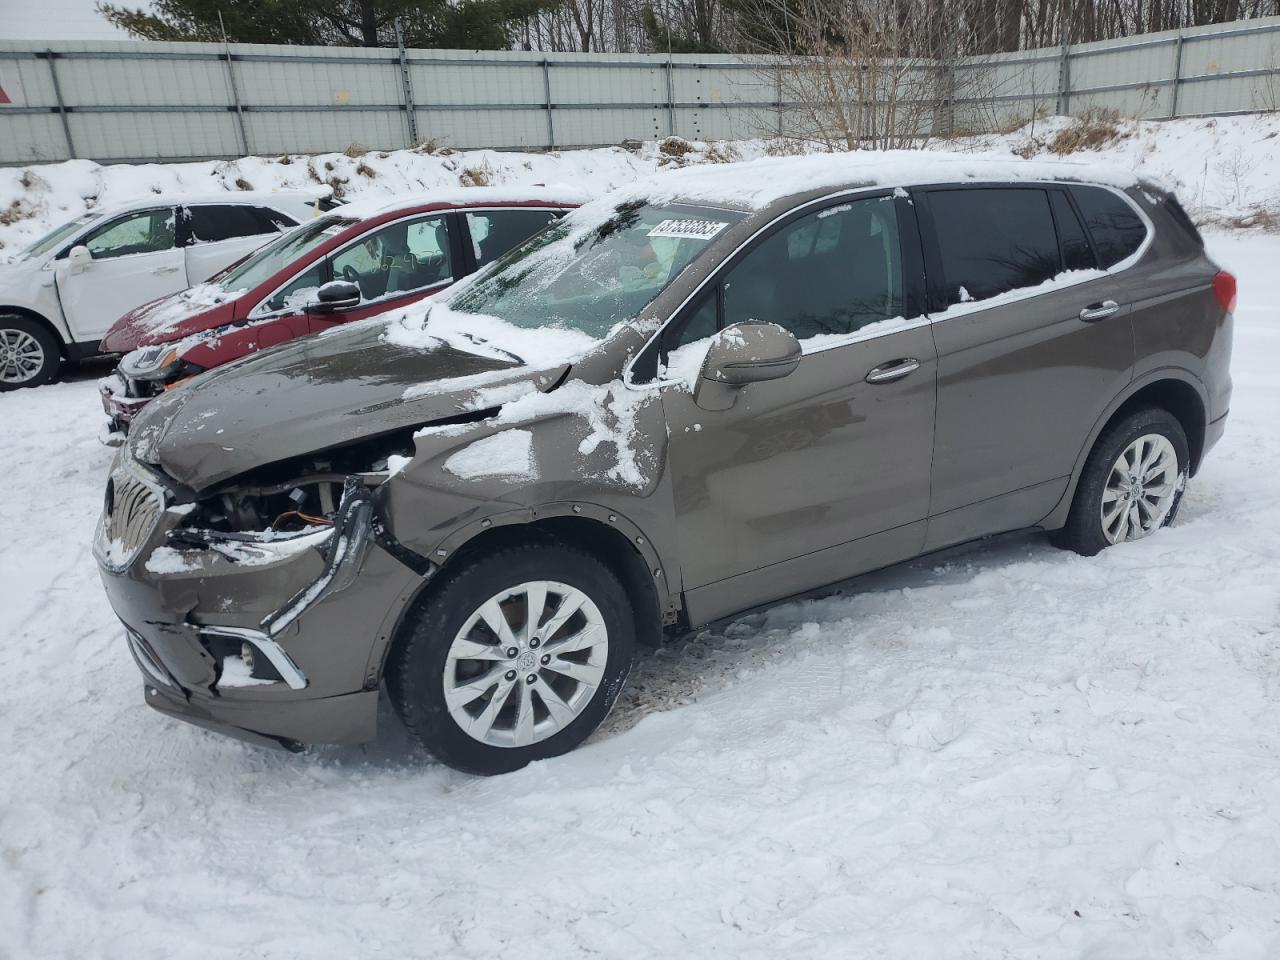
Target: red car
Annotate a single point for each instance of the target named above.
(360, 260)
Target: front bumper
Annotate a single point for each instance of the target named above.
(312, 615)
(119, 405)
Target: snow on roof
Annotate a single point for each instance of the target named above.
(757, 183)
(459, 196)
(224, 196)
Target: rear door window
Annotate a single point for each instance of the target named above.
(993, 240)
(218, 222)
(1115, 226)
(494, 232)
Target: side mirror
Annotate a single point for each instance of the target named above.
(79, 257)
(741, 354)
(334, 296)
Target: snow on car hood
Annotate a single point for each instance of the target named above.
(202, 307)
(317, 393)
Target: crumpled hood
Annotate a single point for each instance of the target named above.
(313, 394)
(169, 318)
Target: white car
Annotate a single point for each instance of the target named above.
(60, 295)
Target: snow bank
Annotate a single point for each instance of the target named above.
(1222, 168)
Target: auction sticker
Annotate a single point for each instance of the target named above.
(690, 229)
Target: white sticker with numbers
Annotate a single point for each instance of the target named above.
(688, 229)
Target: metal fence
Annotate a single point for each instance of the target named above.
(139, 101)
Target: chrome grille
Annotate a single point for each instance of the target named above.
(132, 510)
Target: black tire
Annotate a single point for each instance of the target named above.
(13, 327)
(415, 670)
(1083, 532)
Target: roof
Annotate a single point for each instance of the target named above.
(462, 196)
(756, 184)
(268, 197)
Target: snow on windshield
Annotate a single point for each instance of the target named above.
(559, 294)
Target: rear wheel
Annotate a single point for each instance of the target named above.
(28, 353)
(517, 656)
(1131, 485)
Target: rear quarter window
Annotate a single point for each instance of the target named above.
(219, 222)
(1114, 224)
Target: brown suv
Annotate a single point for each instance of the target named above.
(706, 393)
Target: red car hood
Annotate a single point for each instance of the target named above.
(170, 318)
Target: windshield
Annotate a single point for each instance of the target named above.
(275, 256)
(55, 237)
(589, 277)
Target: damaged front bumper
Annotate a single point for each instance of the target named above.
(271, 639)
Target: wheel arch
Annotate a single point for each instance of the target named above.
(26, 313)
(1170, 388)
(606, 534)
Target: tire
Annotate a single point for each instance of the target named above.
(558, 710)
(29, 353)
(1154, 503)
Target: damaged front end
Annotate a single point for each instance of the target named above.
(244, 605)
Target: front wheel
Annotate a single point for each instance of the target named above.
(1131, 485)
(28, 353)
(516, 656)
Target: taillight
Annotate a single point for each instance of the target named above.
(1224, 288)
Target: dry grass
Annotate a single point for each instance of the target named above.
(284, 160)
(476, 176)
(15, 212)
(355, 150)
(365, 170)
(785, 147)
(675, 147)
(339, 185)
(722, 153)
(1092, 130)
(243, 184)
(431, 145)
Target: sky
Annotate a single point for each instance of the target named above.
(58, 20)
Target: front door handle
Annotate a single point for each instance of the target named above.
(1099, 311)
(158, 271)
(894, 370)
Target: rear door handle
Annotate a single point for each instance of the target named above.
(894, 370)
(161, 270)
(1099, 311)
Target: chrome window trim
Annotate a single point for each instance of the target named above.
(924, 319)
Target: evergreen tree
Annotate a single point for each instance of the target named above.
(470, 24)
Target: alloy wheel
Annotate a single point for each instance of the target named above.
(21, 356)
(526, 663)
(1141, 489)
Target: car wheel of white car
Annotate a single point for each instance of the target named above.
(28, 353)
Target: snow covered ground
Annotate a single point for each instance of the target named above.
(1223, 168)
(1004, 751)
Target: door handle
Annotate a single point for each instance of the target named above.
(162, 270)
(1099, 311)
(894, 370)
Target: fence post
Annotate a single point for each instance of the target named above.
(546, 90)
(406, 85)
(1177, 75)
(235, 89)
(1064, 80)
(778, 90)
(671, 100)
(62, 107)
